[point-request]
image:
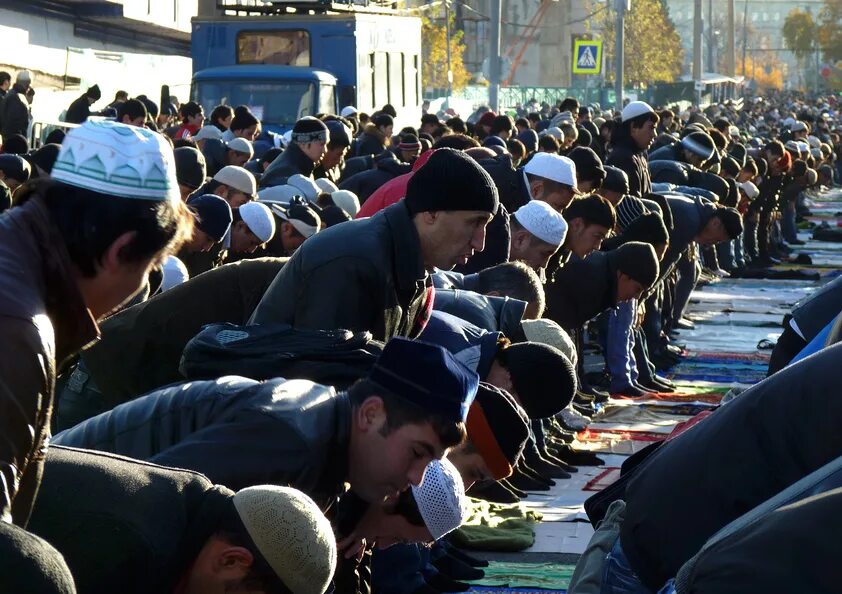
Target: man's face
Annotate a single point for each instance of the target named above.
(314, 150)
(504, 134)
(123, 282)
(409, 156)
(243, 241)
(530, 250)
(713, 232)
(613, 197)
(387, 131)
(628, 288)
(645, 135)
(5, 85)
(585, 186)
(333, 157)
(196, 120)
(236, 198)
(200, 242)
(452, 237)
(138, 122)
(390, 528)
(558, 199)
(471, 465)
(290, 238)
(247, 133)
(237, 158)
(382, 464)
(584, 239)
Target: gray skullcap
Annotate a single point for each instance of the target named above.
(546, 331)
(190, 167)
(309, 129)
(451, 180)
(699, 143)
(292, 535)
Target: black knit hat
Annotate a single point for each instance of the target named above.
(616, 180)
(45, 157)
(498, 429)
(340, 134)
(588, 164)
(213, 215)
(699, 143)
(94, 93)
(708, 181)
(543, 378)
(730, 166)
(30, 564)
(15, 167)
(190, 167)
(333, 215)
(647, 228)
(309, 129)
(638, 261)
(451, 180)
(738, 152)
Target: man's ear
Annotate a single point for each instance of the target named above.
(111, 260)
(371, 414)
(233, 561)
(536, 188)
(428, 217)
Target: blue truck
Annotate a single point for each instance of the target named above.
(286, 61)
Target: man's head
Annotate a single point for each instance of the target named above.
(297, 222)
(213, 218)
(385, 124)
(236, 184)
(637, 269)
(337, 147)
(190, 170)
(209, 132)
(537, 232)
(311, 135)
(253, 225)
(451, 200)
(192, 114)
(497, 432)
(409, 148)
(429, 122)
(724, 224)
(647, 228)
(14, 171)
(116, 219)
(589, 221)
(515, 280)
(410, 410)
(538, 376)
(547, 331)
(552, 179)
(5, 80)
(221, 117)
(697, 147)
(132, 112)
(638, 123)
(800, 130)
(502, 127)
(93, 94)
(590, 173)
(268, 539)
(239, 152)
(615, 186)
(244, 125)
(24, 79)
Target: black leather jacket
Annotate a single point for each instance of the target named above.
(236, 431)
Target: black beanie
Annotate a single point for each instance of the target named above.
(309, 129)
(738, 153)
(30, 564)
(213, 215)
(730, 166)
(451, 180)
(507, 421)
(616, 180)
(588, 164)
(708, 181)
(45, 157)
(584, 139)
(94, 93)
(15, 167)
(151, 106)
(190, 167)
(638, 261)
(648, 228)
(333, 215)
(542, 377)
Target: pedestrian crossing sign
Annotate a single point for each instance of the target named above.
(587, 56)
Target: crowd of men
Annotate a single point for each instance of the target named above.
(238, 361)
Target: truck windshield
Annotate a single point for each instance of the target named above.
(279, 103)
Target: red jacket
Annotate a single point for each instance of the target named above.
(392, 191)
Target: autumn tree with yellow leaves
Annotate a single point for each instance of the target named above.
(653, 51)
(434, 48)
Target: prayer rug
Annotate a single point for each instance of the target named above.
(523, 578)
(604, 479)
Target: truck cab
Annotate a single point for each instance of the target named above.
(286, 60)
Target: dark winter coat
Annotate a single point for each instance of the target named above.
(815, 312)
(670, 152)
(626, 155)
(689, 216)
(292, 161)
(214, 152)
(15, 112)
(236, 431)
(494, 314)
(125, 525)
(582, 289)
(469, 344)
(775, 433)
(366, 274)
(141, 346)
(43, 321)
(386, 168)
(79, 110)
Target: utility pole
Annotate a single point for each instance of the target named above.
(494, 55)
(731, 43)
(619, 52)
(745, 35)
(711, 39)
(447, 40)
(697, 40)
